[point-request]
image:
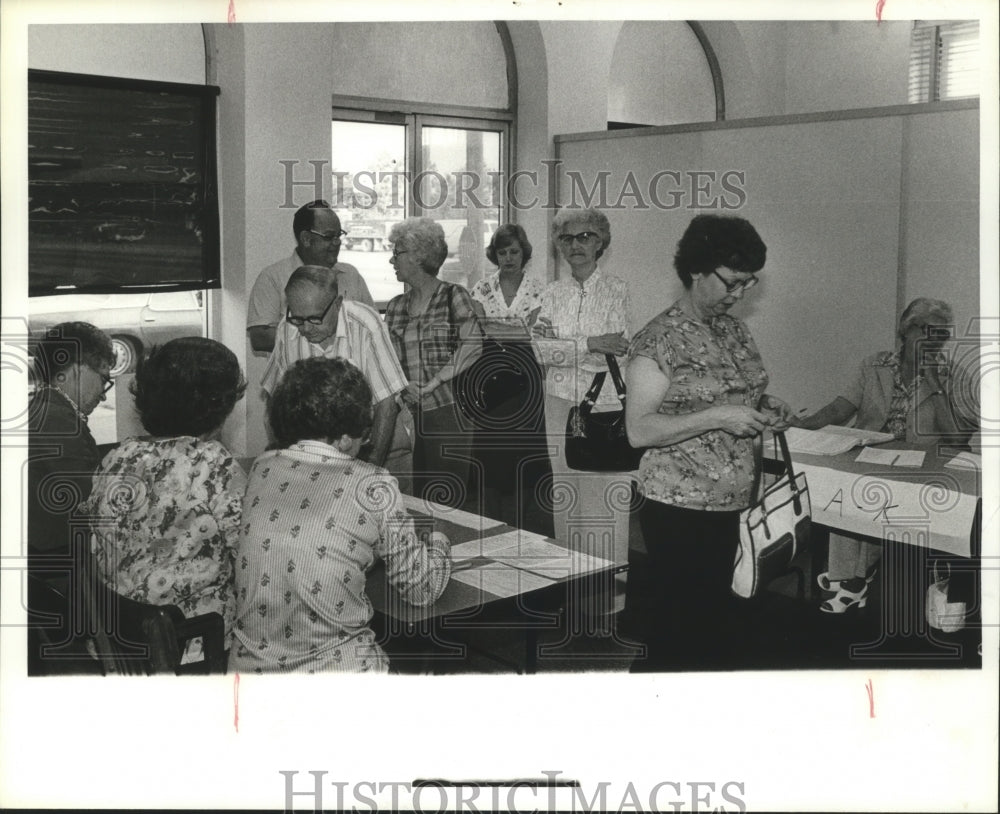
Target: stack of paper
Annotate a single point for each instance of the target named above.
(965, 460)
(832, 440)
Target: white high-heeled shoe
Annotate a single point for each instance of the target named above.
(845, 600)
(833, 585)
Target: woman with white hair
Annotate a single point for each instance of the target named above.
(903, 392)
(583, 317)
(435, 335)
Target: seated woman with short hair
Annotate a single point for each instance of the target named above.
(315, 520)
(165, 509)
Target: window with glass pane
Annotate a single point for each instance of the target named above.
(370, 190)
(944, 61)
(390, 165)
(460, 188)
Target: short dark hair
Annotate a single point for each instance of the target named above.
(71, 343)
(711, 242)
(305, 217)
(503, 237)
(188, 386)
(320, 399)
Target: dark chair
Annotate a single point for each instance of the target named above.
(134, 638)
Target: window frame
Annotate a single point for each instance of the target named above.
(924, 73)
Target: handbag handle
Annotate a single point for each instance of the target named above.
(758, 445)
(590, 398)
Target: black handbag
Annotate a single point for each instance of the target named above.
(596, 442)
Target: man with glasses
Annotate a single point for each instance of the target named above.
(319, 321)
(318, 238)
(72, 364)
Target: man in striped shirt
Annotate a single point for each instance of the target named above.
(320, 322)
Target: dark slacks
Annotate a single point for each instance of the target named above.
(694, 617)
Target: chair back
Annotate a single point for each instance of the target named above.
(136, 638)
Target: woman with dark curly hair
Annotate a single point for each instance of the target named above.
(165, 509)
(696, 397)
(316, 519)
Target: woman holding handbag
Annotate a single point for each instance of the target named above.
(696, 397)
(507, 387)
(435, 334)
(583, 317)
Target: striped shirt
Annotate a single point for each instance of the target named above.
(315, 520)
(361, 338)
(599, 306)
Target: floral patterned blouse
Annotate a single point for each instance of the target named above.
(315, 522)
(528, 297)
(708, 363)
(165, 515)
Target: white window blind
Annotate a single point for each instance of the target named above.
(944, 60)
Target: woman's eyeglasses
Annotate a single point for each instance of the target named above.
(298, 322)
(732, 286)
(579, 237)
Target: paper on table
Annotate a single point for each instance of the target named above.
(510, 542)
(456, 516)
(501, 580)
(910, 457)
(830, 440)
(965, 460)
(891, 457)
(573, 563)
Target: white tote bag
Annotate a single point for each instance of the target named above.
(948, 617)
(773, 528)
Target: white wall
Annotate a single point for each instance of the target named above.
(458, 63)
(163, 53)
(659, 75)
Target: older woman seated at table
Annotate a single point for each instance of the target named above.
(903, 392)
(316, 519)
(165, 509)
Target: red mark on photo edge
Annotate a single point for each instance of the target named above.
(236, 702)
(871, 698)
(231, 17)
(878, 9)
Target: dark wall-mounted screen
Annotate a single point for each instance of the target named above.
(122, 189)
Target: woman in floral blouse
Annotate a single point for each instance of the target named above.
(315, 521)
(696, 396)
(165, 509)
(511, 443)
(896, 392)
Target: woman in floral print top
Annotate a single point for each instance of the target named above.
(696, 398)
(165, 509)
(315, 520)
(511, 443)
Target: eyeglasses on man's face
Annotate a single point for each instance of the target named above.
(298, 322)
(330, 237)
(733, 286)
(579, 237)
(106, 381)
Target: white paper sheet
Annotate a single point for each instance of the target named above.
(831, 440)
(456, 516)
(501, 580)
(891, 457)
(965, 460)
(515, 543)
